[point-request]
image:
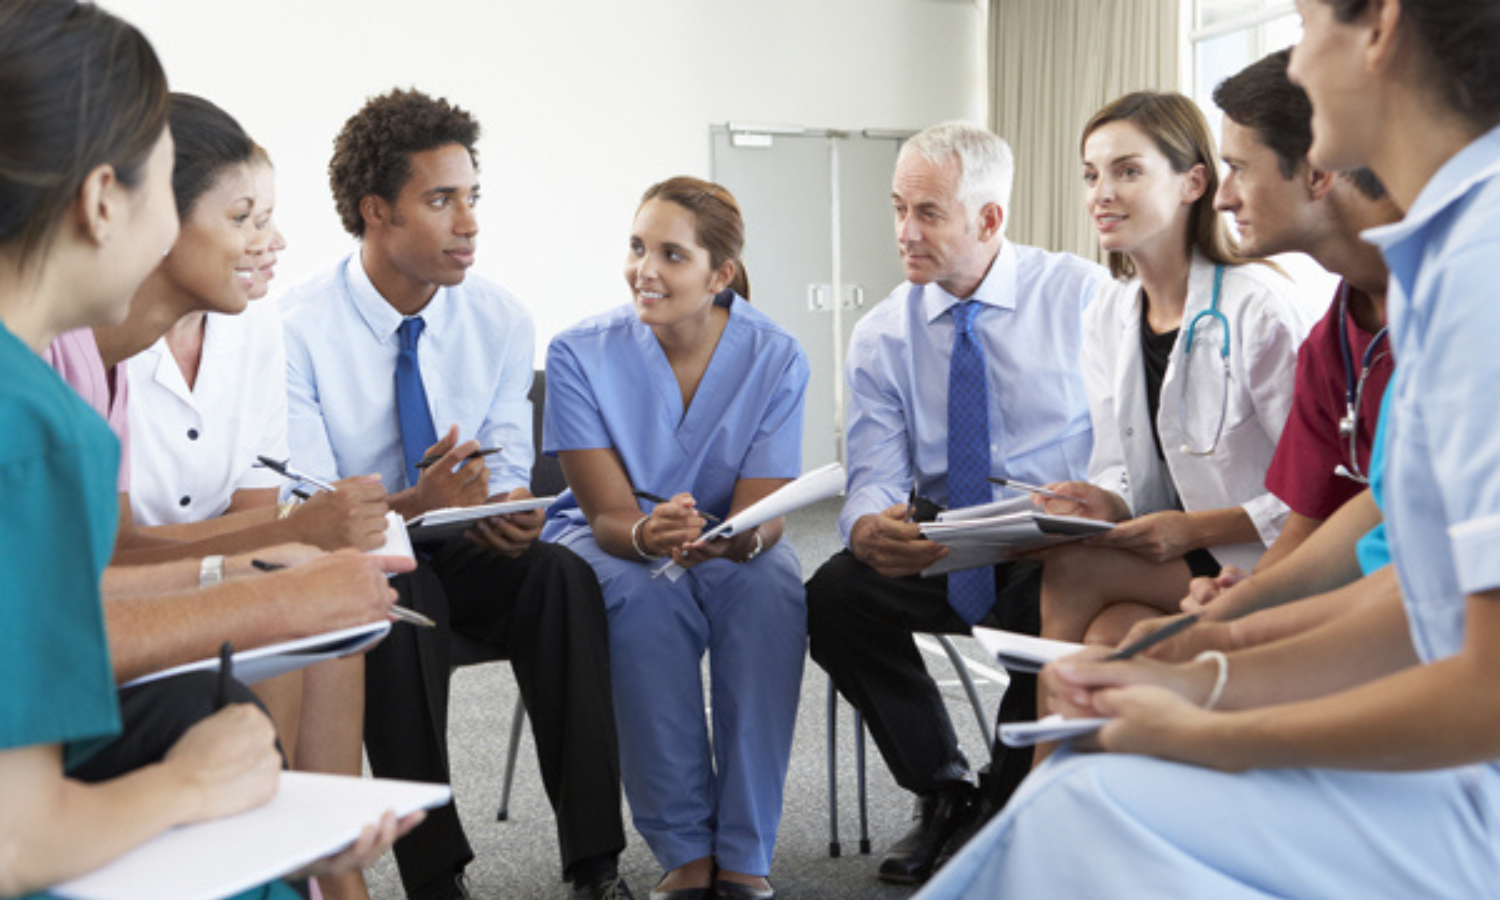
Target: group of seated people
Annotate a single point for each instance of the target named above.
(1320, 729)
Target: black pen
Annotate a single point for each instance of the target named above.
(430, 461)
(226, 674)
(911, 503)
(261, 565)
(647, 495)
(1154, 638)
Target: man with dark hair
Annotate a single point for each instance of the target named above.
(390, 343)
(1281, 204)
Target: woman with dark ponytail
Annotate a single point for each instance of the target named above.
(686, 406)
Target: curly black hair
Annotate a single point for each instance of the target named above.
(372, 154)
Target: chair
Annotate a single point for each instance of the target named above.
(546, 479)
(835, 849)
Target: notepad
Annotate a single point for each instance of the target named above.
(311, 816)
(271, 660)
(813, 487)
(991, 539)
(441, 524)
(1050, 728)
(1022, 652)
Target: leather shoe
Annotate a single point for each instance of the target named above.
(910, 860)
(697, 893)
(734, 890)
(983, 810)
(611, 888)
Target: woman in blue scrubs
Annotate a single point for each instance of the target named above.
(1360, 759)
(694, 396)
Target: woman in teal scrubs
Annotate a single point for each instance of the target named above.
(86, 212)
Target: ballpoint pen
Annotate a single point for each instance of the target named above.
(226, 674)
(1033, 489)
(281, 467)
(396, 612)
(430, 461)
(1154, 638)
(654, 498)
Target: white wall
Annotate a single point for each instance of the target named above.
(583, 102)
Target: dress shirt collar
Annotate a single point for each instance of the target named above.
(379, 315)
(997, 289)
(1477, 162)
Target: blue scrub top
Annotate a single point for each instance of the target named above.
(609, 385)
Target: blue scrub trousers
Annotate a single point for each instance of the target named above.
(692, 796)
(1118, 826)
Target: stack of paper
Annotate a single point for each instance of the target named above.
(441, 524)
(1022, 652)
(1050, 728)
(271, 660)
(311, 816)
(991, 539)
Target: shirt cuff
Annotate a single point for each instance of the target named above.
(870, 500)
(1268, 515)
(1474, 553)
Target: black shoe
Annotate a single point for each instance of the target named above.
(980, 814)
(612, 887)
(733, 890)
(698, 893)
(910, 860)
(446, 887)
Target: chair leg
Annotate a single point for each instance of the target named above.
(962, 668)
(833, 771)
(859, 770)
(517, 720)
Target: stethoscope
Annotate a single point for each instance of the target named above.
(1215, 315)
(1354, 388)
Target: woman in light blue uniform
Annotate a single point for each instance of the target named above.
(1372, 745)
(695, 397)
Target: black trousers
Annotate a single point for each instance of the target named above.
(152, 717)
(544, 612)
(860, 627)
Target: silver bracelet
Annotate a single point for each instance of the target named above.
(635, 539)
(1220, 680)
(760, 545)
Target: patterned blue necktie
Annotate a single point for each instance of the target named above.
(413, 416)
(971, 592)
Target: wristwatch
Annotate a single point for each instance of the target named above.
(211, 571)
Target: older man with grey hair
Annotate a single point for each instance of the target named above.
(969, 369)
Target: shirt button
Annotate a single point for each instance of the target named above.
(192, 434)
(1129, 432)
(185, 501)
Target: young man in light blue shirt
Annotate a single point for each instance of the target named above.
(980, 321)
(384, 349)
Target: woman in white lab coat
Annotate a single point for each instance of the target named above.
(1188, 361)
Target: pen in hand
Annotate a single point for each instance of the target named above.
(1033, 489)
(911, 503)
(654, 498)
(1154, 638)
(226, 674)
(282, 468)
(400, 613)
(430, 461)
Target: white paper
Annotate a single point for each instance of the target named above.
(988, 510)
(1051, 728)
(271, 660)
(311, 816)
(1022, 652)
(813, 487)
(441, 524)
(986, 541)
(397, 542)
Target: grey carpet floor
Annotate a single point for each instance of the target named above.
(518, 858)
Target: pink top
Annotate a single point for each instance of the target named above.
(76, 358)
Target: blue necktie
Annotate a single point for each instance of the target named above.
(971, 592)
(413, 416)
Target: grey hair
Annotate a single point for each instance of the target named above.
(986, 167)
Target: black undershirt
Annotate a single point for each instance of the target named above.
(1156, 352)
